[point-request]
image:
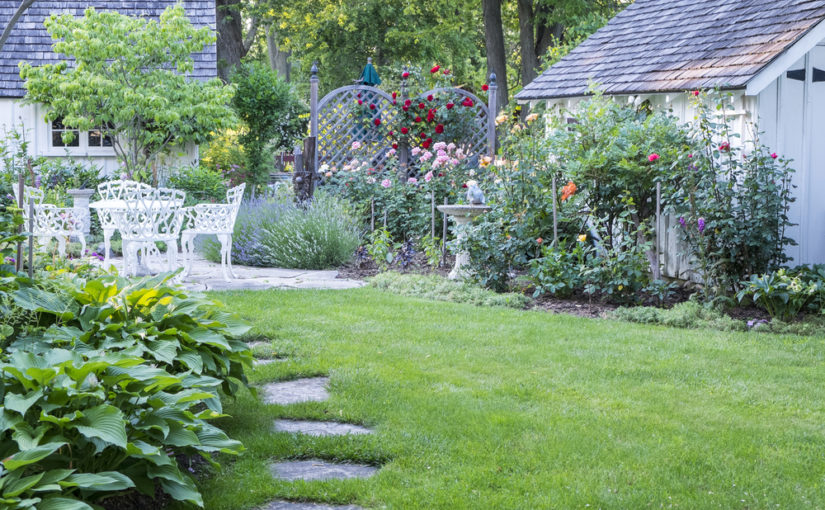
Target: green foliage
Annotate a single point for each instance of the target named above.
(732, 201)
(110, 382)
(783, 296)
(140, 67)
(559, 270)
(689, 314)
(441, 289)
(201, 184)
(274, 232)
(224, 153)
(381, 248)
(432, 248)
(273, 114)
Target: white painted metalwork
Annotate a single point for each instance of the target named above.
(217, 219)
(110, 203)
(50, 221)
(149, 216)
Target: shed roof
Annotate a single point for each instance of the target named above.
(30, 42)
(676, 45)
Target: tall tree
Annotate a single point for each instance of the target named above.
(494, 42)
(232, 45)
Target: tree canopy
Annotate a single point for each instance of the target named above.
(128, 77)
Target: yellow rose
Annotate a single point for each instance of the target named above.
(582, 238)
(530, 118)
(501, 119)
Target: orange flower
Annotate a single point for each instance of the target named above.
(568, 191)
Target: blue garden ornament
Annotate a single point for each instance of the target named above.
(369, 76)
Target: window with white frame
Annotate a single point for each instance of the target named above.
(92, 139)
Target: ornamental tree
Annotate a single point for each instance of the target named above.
(129, 78)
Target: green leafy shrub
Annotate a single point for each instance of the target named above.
(202, 185)
(381, 248)
(559, 271)
(274, 232)
(689, 314)
(781, 295)
(110, 383)
(273, 114)
(441, 289)
(731, 201)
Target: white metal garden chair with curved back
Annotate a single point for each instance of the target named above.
(217, 219)
(50, 221)
(150, 216)
(113, 191)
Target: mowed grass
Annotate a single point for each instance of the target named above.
(494, 408)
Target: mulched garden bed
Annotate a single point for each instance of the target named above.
(365, 268)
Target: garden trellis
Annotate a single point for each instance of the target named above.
(337, 123)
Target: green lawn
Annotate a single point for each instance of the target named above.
(493, 408)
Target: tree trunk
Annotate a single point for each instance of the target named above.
(24, 5)
(527, 41)
(494, 41)
(231, 45)
(278, 60)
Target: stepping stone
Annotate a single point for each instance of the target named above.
(312, 389)
(289, 505)
(259, 362)
(319, 428)
(316, 469)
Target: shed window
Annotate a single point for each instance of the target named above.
(58, 129)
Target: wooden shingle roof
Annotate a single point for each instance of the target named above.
(30, 42)
(677, 45)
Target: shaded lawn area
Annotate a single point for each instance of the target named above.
(493, 408)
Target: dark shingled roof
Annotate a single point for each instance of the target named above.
(29, 40)
(677, 45)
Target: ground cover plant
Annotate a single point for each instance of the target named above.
(522, 409)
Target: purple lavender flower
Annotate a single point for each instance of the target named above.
(701, 223)
(682, 221)
(37, 181)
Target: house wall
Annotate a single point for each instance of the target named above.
(31, 119)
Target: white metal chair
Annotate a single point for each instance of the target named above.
(50, 221)
(112, 191)
(150, 216)
(217, 219)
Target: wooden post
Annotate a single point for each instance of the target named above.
(313, 109)
(403, 147)
(298, 174)
(444, 233)
(555, 215)
(657, 275)
(21, 187)
(492, 108)
(432, 214)
(372, 214)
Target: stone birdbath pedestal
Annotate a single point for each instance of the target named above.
(462, 215)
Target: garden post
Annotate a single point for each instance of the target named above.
(21, 185)
(444, 234)
(31, 239)
(492, 109)
(432, 214)
(555, 215)
(657, 265)
(372, 214)
(403, 148)
(298, 174)
(313, 108)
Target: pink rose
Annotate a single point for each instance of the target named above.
(386, 183)
(653, 157)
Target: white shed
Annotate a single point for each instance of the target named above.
(30, 42)
(769, 54)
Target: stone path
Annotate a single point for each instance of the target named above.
(316, 469)
(207, 275)
(288, 505)
(320, 428)
(300, 390)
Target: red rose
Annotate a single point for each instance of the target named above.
(430, 97)
(407, 102)
(695, 92)
(359, 94)
(377, 122)
(464, 186)
(440, 174)
(418, 119)
(404, 131)
(395, 146)
(394, 102)
(405, 75)
(394, 95)
(405, 108)
(423, 135)
(421, 106)
(724, 147)
(435, 68)
(467, 102)
(372, 107)
(446, 71)
(391, 133)
(426, 143)
(485, 87)
(360, 102)
(439, 128)
(450, 106)
(430, 116)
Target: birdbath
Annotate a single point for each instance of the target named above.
(462, 215)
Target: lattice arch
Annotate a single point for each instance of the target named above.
(477, 142)
(340, 123)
